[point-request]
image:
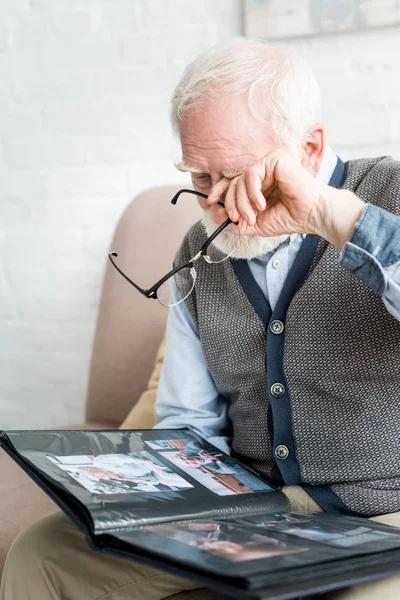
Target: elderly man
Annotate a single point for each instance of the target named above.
(289, 350)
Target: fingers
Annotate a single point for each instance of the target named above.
(246, 196)
(218, 192)
(254, 178)
(230, 201)
(245, 206)
(239, 205)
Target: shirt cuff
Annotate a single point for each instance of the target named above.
(372, 247)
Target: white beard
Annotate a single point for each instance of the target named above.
(244, 246)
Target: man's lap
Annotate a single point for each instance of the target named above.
(52, 560)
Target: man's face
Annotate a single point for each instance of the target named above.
(220, 139)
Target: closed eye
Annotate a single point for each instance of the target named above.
(201, 180)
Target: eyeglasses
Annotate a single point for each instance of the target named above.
(185, 274)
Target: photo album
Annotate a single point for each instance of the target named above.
(171, 500)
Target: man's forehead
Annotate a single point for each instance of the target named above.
(223, 138)
(230, 172)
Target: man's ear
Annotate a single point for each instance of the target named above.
(313, 149)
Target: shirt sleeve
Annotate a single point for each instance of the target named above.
(373, 254)
(187, 395)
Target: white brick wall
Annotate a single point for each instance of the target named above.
(84, 98)
(360, 79)
(84, 95)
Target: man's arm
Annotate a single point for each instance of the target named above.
(187, 396)
(373, 254)
(277, 196)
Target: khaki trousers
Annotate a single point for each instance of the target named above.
(51, 561)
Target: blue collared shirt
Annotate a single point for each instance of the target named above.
(187, 396)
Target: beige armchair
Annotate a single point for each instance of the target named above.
(129, 331)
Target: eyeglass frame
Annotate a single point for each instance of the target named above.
(152, 292)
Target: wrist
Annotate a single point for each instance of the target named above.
(338, 212)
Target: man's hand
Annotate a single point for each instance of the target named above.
(278, 196)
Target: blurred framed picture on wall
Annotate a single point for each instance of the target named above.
(280, 19)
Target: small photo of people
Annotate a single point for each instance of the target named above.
(339, 533)
(213, 469)
(229, 542)
(121, 473)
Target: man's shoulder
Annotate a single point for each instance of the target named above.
(376, 180)
(381, 166)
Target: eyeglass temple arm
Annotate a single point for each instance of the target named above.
(151, 292)
(217, 231)
(139, 289)
(214, 235)
(175, 198)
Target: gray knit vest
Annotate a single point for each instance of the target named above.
(340, 363)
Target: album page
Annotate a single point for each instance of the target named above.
(250, 552)
(129, 478)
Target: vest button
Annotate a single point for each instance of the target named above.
(281, 452)
(276, 327)
(277, 390)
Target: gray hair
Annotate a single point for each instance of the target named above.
(280, 86)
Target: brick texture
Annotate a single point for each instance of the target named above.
(84, 98)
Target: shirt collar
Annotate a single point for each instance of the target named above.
(328, 164)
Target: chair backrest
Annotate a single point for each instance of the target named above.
(130, 327)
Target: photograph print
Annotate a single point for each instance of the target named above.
(229, 542)
(134, 472)
(312, 527)
(213, 469)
